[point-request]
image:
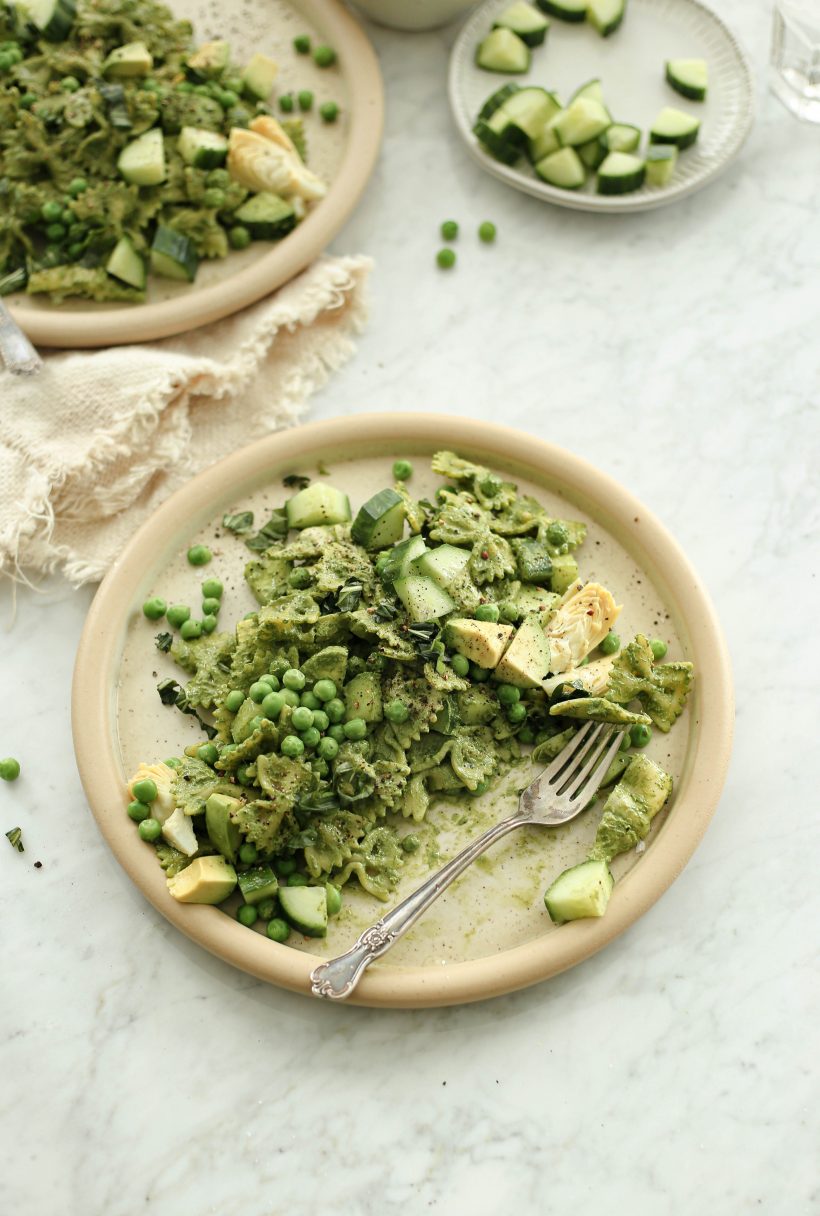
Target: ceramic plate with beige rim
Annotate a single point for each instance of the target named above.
(489, 933)
(343, 153)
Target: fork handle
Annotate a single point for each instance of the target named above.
(337, 978)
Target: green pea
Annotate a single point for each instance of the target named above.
(292, 746)
(239, 237)
(211, 607)
(334, 708)
(658, 647)
(324, 56)
(290, 697)
(184, 87)
(76, 231)
(508, 694)
(145, 790)
(336, 732)
(150, 830)
(266, 908)
(479, 674)
(55, 232)
(69, 84)
(227, 98)
(9, 769)
(486, 232)
(286, 103)
(311, 737)
(449, 230)
(294, 679)
(243, 775)
(334, 899)
(300, 578)
(208, 753)
(402, 470)
(199, 555)
(138, 811)
(480, 789)
(51, 212)
(202, 90)
(297, 880)
(173, 762)
(27, 101)
(212, 589)
(272, 705)
(356, 728)
(154, 608)
(305, 98)
(517, 713)
(76, 187)
(284, 866)
(557, 533)
(640, 734)
(6, 62)
(487, 612)
(234, 700)
(395, 711)
(328, 748)
(301, 44)
(278, 930)
(460, 665)
(410, 844)
(446, 258)
(189, 630)
(247, 915)
(320, 720)
(526, 735)
(74, 251)
(248, 853)
(610, 644)
(329, 111)
(214, 198)
(178, 614)
(325, 690)
(509, 612)
(259, 690)
(302, 718)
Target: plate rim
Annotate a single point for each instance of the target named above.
(596, 203)
(127, 325)
(711, 725)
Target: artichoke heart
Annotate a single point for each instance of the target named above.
(580, 624)
(263, 157)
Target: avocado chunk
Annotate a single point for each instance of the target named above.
(223, 833)
(209, 60)
(527, 660)
(579, 892)
(259, 76)
(257, 884)
(133, 59)
(363, 697)
(482, 642)
(207, 880)
(305, 908)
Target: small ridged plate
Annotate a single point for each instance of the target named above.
(630, 65)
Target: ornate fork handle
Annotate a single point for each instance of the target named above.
(16, 351)
(337, 978)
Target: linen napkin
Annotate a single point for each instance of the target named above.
(97, 440)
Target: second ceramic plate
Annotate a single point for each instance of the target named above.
(630, 65)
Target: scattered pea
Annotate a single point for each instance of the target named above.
(234, 700)
(266, 908)
(446, 258)
(449, 230)
(139, 811)
(208, 753)
(305, 99)
(486, 232)
(189, 630)
(479, 674)
(145, 790)
(272, 705)
(227, 98)
(302, 718)
(640, 734)
(211, 607)
(334, 899)
(557, 533)
(320, 720)
(199, 555)
(286, 103)
(517, 713)
(154, 608)
(51, 212)
(658, 647)
(290, 697)
(480, 789)
(526, 735)
(69, 84)
(509, 612)
(297, 880)
(212, 589)
(329, 111)
(487, 612)
(356, 728)
(301, 44)
(150, 830)
(325, 690)
(311, 737)
(173, 762)
(55, 232)
(178, 614)
(336, 732)
(610, 644)
(248, 853)
(27, 101)
(395, 711)
(292, 746)
(294, 679)
(335, 709)
(243, 775)
(258, 691)
(284, 866)
(324, 56)
(300, 578)
(410, 844)
(460, 665)
(508, 694)
(328, 748)
(214, 198)
(278, 930)
(247, 915)
(77, 186)
(271, 679)
(402, 470)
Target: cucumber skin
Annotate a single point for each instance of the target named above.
(690, 92)
(619, 185)
(496, 100)
(607, 30)
(506, 69)
(495, 145)
(555, 10)
(681, 142)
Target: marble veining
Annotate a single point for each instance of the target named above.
(673, 1073)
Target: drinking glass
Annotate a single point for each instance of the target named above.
(795, 62)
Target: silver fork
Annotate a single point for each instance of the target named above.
(558, 794)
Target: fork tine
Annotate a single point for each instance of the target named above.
(594, 770)
(567, 753)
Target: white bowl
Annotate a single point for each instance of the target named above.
(414, 14)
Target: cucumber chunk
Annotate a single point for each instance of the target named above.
(142, 162)
(606, 15)
(442, 564)
(592, 89)
(317, 504)
(525, 21)
(564, 168)
(258, 883)
(565, 10)
(202, 149)
(497, 99)
(674, 127)
(661, 160)
(564, 572)
(689, 77)
(380, 522)
(423, 599)
(125, 62)
(621, 173)
(594, 152)
(545, 142)
(497, 146)
(266, 216)
(621, 137)
(126, 264)
(173, 255)
(523, 116)
(401, 558)
(579, 892)
(53, 18)
(305, 908)
(582, 120)
(503, 51)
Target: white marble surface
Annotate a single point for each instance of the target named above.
(676, 1071)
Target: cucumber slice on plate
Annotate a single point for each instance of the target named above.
(423, 599)
(606, 15)
(380, 521)
(564, 10)
(544, 143)
(305, 908)
(173, 255)
(503, 51)
(266, 216)
(401, 558)
(591, 89)
(495, 143)
(579, 892)
(442, 564)
(525, 21)
(126, 264)
(53, 18)
(661, 160)
(202, 149)
(689, 77)
(674, 127)
(524, 116)
(317, 504)
(594, 152)
(621, 173)
(497, 99)
(142, 162)
(564, 168)
(582, 120)
(621, 137)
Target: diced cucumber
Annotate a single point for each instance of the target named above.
(442, 564)
(305, 908)
(606, 15)
(497, 99)
(689, 77)
(592, 89)
(565, 10)
(545, 142)
(503, 51)
(400, 560)
(266, 216)
(564, 572)
(124, 62)
(582, 120)
(202, 149)
(661, 160)
(621, 137)
(380, 521)
(53, 18)
(222, 832)
(173, 255)
(209, 60)
(116, 104)
(423, 599)
(126, 264)
(563, 168)
(142, 162)
(495, 144)
(317, 504)
(579, 892)
(674, 127)
(621, 173)
(525, 21)
(259, 76)
(257, 884)
(525, 115)
(594, 152)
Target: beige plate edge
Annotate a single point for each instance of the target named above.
(384, 986)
